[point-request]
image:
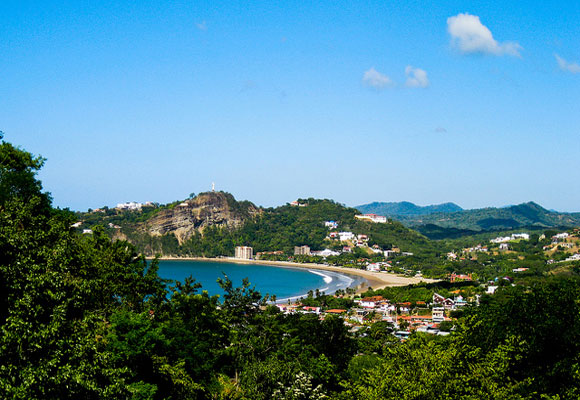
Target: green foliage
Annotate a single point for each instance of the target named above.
(84, 317)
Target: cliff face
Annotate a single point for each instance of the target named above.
(206, 209)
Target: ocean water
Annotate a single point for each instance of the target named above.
(285, 282)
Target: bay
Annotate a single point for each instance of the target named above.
(284, 282)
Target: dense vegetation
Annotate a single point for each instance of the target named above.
(84, 317)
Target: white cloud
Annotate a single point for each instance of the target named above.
(375, 79)
(564, 65)
(202, 26)
(469, 35)
(416, 77)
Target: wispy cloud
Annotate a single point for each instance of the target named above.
(416, 77)
(440, 129)
(567, 66)
(469, 35)
(375, 79)
(202, 26)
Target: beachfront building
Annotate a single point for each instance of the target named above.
(301, 250)
(244, 252)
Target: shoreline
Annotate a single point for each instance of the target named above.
(374, 280)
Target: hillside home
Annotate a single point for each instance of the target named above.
(344, 236)
(373, 218)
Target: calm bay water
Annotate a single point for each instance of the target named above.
(284, 282)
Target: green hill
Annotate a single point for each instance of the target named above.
(406, 208)
(469, 222)
(212, 224)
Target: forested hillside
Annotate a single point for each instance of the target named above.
(272, 229)
(85, 317)
(441, 225)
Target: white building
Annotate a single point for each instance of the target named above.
(438, 314)
(325, 253)
(344, 236)
(524, 236)
(131, 205)
(244, 252)
(560, 236)
(373, 218)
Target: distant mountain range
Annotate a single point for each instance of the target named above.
(405, 208)
(435, 224)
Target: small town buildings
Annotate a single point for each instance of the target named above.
(331, 224)
(244, 252)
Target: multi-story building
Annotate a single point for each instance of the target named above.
(244, 252)
(301, 250)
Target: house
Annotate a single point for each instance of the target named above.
(336, 311)
(442, 301)
(87, 231)
(438, 314)
(390, 253)
(460, 277)
(373, 218)
(331, 224)
(520, 269)
(501, 239)
(561, 236)
(373, 267)
(132, 205)
(491, 289)
(311, 310)
(371, 302)
(524, 236)
(344, 236)
(504, 247)
(325, 253)
(346, 249)
(76, 224)
(460, 302)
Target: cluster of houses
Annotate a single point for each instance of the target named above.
(514, 236)
(405, 316)
(133, 205)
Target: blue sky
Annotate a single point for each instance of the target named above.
(472, 102)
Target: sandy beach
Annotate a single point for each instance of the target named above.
(375, 280)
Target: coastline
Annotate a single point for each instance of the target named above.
(375, 280)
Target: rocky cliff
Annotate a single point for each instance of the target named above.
(206, 209)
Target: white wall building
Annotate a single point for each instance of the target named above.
(244, 252)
